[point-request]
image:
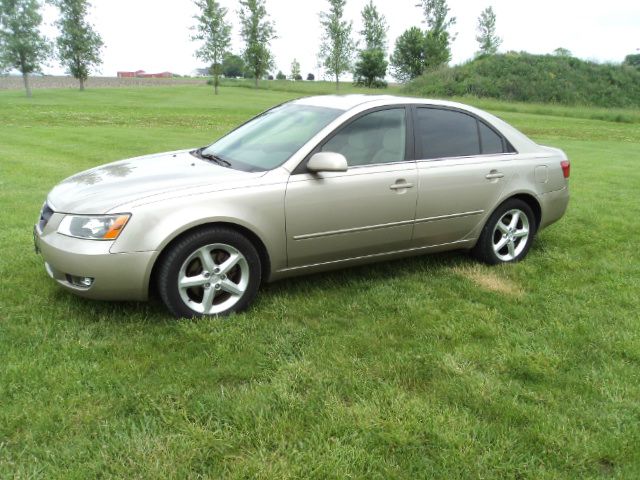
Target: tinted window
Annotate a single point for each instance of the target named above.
(378, 137)
(491, 141)
(446, 133)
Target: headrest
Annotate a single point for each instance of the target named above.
(392, 140)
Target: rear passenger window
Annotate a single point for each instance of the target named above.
(448, 133)
(445, 133)
(491, 141)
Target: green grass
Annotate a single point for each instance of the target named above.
(433, 367)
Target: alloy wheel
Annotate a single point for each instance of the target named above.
(213, 278)
(510, 235)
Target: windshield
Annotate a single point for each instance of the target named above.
(270, 139)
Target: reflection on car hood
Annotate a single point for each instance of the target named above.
(103, 188)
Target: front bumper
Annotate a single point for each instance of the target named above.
(117, 276)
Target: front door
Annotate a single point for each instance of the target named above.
(365, 211)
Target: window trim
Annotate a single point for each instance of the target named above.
(410, 141)
(508, 148)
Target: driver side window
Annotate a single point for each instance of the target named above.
(375, 138)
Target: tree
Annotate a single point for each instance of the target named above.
(632, 60)
(215, 32)
(311, 77)
(295, 70)
(486, 37)
(371, 67)
(281, 76)
(374, 29)
(79, 45)
(437, 42)
(337, 47)
(408, 56)
(562, 52)
(22, 47)
(257, 31)
(233, 66)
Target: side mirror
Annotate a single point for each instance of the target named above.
(327, 162)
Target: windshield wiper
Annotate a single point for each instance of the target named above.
(212, 157)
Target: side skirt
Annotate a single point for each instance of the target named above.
(378, 257)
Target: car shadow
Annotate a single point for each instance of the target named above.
(383, 271)
(153, 311)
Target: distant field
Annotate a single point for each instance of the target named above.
(434, 367)
(322, 87)
(15, 83)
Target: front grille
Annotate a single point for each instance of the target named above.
(45, 215)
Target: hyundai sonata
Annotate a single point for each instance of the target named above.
(314, 184)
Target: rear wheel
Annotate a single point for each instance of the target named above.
(209, 272)
(508, 234)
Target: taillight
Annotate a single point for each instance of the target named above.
(566, 168)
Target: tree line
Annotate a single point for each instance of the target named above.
(416, 51)
(78, 46)
(367, 58)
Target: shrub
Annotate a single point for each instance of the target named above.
(535, 78)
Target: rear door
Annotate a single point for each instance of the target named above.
(366, 210)
(463, 166)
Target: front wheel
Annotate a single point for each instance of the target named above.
(209, 272)
(508, 234)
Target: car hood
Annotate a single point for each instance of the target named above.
(104, 188)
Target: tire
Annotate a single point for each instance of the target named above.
(504, 238)
(210, 272)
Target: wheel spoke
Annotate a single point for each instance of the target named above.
(206, 259)
(207, 299)
(514, 220)
(195, 281)
(232, 288)
(512, 248)
(500, 245)
(521, 233)
(229, 263)
(502, 227)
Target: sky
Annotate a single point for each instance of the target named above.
(154, 35)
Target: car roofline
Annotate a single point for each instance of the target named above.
(349, 102)
(352, 105)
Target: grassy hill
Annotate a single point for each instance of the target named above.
(535, 78)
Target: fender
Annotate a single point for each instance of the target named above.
(153, 226)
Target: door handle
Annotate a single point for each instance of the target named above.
(401, 186)
(493, 175)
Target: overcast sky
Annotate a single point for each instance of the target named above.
(153, 35)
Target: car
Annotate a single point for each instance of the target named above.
(310, 185)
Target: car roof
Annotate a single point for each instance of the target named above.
(348, 102)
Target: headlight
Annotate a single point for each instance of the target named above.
(103, 227)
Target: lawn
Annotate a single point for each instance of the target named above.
(434, 367)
